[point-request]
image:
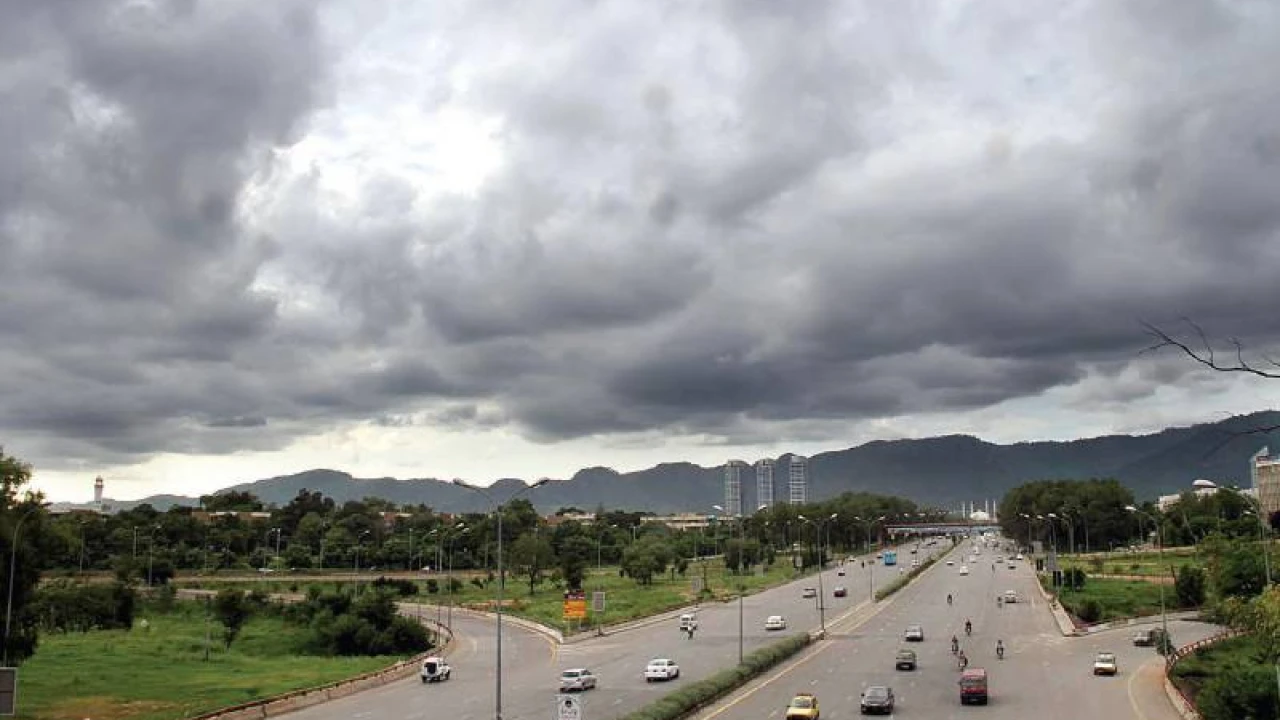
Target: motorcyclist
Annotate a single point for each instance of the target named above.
(962, 660)
(1000, 649)
(999, 602)
(949, 599)
(968, 627)
(955, 644)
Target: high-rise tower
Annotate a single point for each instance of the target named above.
(733, 487)
(764, 483)
(798, 480)
(97, 492)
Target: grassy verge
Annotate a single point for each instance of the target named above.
(1228, 679)
(697, 695)
(1115, 598)
(625, 599)
(1126, 563)
(160, 672)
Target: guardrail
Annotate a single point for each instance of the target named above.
(1181, 702)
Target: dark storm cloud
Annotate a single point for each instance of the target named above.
(704, 217)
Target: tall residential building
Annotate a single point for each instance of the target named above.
(764, 483)
(733, 487)
(1266, 484)
(798, 481)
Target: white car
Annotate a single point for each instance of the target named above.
(964, 569)
(1018, 556)
(1010, 596)
(661, 669)
(809, 593)
(688, 621)
(951, 562)
(577, 679)
(775, 622)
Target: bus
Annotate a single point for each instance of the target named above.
(890, 558)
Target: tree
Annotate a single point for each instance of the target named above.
(573, 558)
(1241, 691)
(640, 563)
(530, 556)
(231, 607)
(1235, 568)
(231, 501)
(23, 518)
(1190, 586)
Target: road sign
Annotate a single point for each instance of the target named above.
(575, 605)
(8, 691)
(568, 707)
(597, 601)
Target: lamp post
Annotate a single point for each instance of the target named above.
(822, 595)
(1164, 617)
(355, 568)
(462, 530)
(498, 508)
(13, 564)
(1070, 517)
(871, 569)
(742, 588)
(151, 543)
(277, 531)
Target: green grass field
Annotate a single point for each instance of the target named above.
(1118, 598)
(1126, 563)
(160, 672)
(625, 599)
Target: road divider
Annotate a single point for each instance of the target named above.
(903, 580)
(704, 692)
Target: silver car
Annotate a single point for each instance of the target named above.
(577, 679)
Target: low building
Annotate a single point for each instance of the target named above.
(680, 521)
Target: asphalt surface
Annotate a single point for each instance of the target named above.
(532, 662)
(1043, 675)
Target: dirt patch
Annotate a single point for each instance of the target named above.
(105, 708)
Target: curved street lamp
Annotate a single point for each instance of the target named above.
(1164, 616)
(497, 508)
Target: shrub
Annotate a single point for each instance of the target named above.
(433, 586)
(402, 586)
(1096, 564)
(65, 606)
(1240, 692)
(1089, 611)
(1190, 586)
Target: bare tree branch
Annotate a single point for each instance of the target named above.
(1206, 356)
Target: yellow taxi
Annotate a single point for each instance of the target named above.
(804, 706)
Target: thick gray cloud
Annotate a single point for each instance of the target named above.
(702, 217)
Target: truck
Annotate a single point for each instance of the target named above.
(890, 558)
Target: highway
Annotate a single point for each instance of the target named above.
(1043, 675)
(532, 662)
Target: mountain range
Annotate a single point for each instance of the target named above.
(939, 472)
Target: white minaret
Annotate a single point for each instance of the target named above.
(97, 492)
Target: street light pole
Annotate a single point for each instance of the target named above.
(498, 510)
(1164, 616)
(13, 563)
(822, 594)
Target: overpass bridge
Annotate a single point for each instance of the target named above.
(942, 528)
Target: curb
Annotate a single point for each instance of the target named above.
(1065, 624)
(1140, 620)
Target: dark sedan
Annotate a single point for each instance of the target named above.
(877, 700)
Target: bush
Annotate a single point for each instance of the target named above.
(66, 606)
(1240, 692)
(704, 692)
(1074, 578)
(1190, 586)
(405, 588)
(1089, 611)
(433, 586)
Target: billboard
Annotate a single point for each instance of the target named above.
(575, 605)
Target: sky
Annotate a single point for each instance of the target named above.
(476, 239)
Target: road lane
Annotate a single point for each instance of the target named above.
(532, 662)
(1043, 675)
